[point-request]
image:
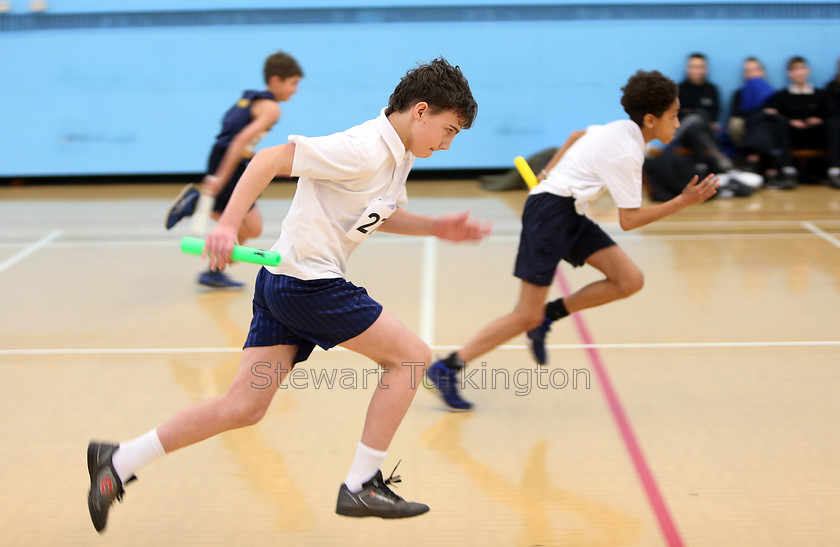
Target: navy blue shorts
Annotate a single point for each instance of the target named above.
(552, 230)
(213, 163)
(295, 312)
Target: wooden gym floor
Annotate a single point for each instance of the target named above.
(701, 411)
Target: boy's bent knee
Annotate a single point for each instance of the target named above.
(631, 284)
(414, 358)
(252, 227)
(420, 355)
(250, 232)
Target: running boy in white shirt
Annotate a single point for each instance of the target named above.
(607, 157)
(349, 184)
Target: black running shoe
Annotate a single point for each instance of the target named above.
(183, 206)
(105, 484)
(377, 500)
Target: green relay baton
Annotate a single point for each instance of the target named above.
(194, 246)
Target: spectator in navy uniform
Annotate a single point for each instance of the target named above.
(699, 114)
(811, 123)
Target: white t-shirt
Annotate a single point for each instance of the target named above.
(340, 177)
(606, 157)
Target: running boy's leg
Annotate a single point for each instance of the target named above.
(528, 314)
(404, 357)
(252, 225)
(244, 403)
(623, 278)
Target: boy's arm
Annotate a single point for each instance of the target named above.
(560, 151)
(267, 164)
(695, 192)
(772, 104)
(265, 114)
(452, 227)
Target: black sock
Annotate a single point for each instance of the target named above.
(452, 362)
(556, 310)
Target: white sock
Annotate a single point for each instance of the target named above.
(201, 215)
(367, 463)
(134, 454)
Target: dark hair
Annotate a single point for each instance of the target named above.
(439, 84)
(282, 65)
(697, 55)
(648, 93)
(797, 59)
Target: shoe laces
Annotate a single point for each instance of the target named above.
(392, 479)
(121, 489)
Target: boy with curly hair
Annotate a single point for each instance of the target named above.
(554, 228)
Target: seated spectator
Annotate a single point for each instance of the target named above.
(833, 87)
(745, 115)
(811, 122)
(699, 112)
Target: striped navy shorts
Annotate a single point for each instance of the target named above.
(552, 230)
(303, 313)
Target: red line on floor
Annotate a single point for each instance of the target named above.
(663, 516)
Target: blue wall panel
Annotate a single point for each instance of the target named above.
(126, 99)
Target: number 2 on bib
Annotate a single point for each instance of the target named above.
(364, 227)
(373, 217)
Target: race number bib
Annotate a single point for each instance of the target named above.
(377, 212)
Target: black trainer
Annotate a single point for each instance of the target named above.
(377, 500)
(183, 206)
(105, 484)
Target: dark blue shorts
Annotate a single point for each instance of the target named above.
(226, 192)
(552, 231)
(291, 311)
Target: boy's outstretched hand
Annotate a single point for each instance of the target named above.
(698, 192)
(459, 227)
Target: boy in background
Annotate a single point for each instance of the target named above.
(243, 126)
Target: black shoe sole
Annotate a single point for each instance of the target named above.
(363, 514)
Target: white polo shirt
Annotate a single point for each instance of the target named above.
(340, 176)
(606, 157)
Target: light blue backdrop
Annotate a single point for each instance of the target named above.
(147, 98)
